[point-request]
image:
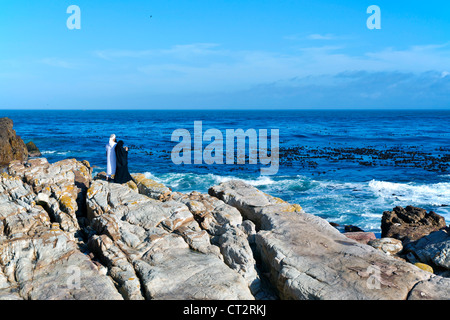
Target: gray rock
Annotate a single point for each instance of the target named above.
(389, 246)
(198, 239)
(249, 228)
(180, 273)
(151, 188)
(119, 268)
(225, 226)
(159, 243)
(212, 213)
(436, 288)
(61, 187)
(50, 267)
(433, 249)
(307, 258)
(238, 255)
(148, 242)
(38, 260)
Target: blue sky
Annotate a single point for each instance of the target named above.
(224, 54)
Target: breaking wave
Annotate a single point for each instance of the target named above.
(355, 203)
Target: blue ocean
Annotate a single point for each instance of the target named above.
(345, 166)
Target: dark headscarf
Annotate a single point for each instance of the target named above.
(122, 174)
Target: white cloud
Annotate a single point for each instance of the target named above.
(57, 62)
(415, 58)
(317, 36)
(360, 89)
(208, 67)
(177, 51)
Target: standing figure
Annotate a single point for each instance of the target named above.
(111, 157)
(122, 174)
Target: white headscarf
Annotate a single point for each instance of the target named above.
(111, 140)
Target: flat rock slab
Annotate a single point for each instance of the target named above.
(436, 288)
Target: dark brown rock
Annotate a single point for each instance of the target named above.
(351, 228)
(12, 146)
(33, 151)
(410, 223)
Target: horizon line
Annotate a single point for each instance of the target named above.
(234, 109)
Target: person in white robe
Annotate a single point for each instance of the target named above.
(111, 157)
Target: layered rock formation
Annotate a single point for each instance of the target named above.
(65, 235)
(39, 256)
(157, 245)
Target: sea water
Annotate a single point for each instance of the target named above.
(346, 166)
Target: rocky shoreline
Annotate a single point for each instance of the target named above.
(65, 234)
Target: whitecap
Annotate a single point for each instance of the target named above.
(185, 182)
(55, 152)
(357, 203)
(436, 194)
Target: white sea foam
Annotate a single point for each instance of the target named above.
(358, 203)
(416, 194)
(188, 181)
(54, 152)
(201, 182)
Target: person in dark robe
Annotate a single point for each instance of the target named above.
(122, 174)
